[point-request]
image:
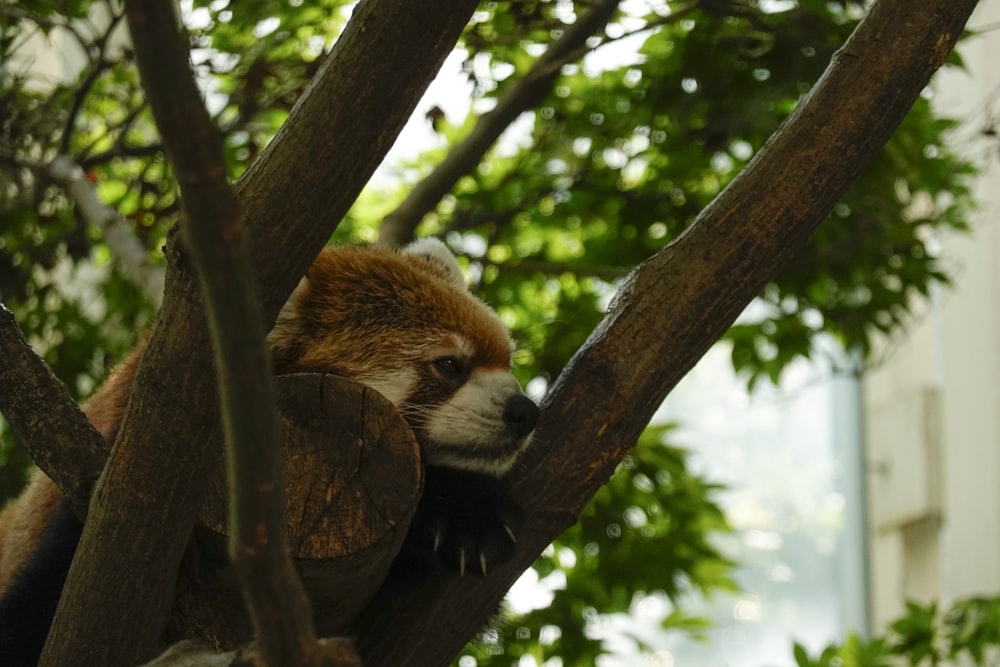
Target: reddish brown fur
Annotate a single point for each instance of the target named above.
(352, 296)
(383, 298)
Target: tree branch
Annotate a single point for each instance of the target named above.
(675, 305)
(128, 252)
(531, 266)
(61, 441)
(353, 478)
(121, 147)
(119, 150)
(397, 228)
(98, 65)
(196, 654)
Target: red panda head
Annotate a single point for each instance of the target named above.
(403, 323)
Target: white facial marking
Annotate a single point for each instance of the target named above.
(395, 386)
(468, 431)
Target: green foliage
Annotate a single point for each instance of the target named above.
(925, 635)
(855, 652)
(622, 159)
(914, 191)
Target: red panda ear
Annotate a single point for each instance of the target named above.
(436, 251)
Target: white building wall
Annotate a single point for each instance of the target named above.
(932, 409)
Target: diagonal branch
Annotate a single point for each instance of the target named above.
(61, 441)
(675, 305)
(127, 250)
(398, 227)
(309, 176)
(212, 226)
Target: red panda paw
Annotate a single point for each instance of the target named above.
(464, 521)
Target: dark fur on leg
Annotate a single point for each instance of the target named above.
(29, 604)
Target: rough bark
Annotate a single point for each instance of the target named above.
(352, 476)
(212, 225)
(336, 652)
(60, 440)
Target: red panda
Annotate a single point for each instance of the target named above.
(406, 326)
(401, 322)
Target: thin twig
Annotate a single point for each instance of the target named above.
(120, 150)
(98, 65)
(398, 226)
(530, 267)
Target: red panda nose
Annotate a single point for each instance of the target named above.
(520, 415)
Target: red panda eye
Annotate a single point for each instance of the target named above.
(450, 368)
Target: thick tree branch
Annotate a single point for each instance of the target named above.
(397, 228)
(687, 295)
(61, 440)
